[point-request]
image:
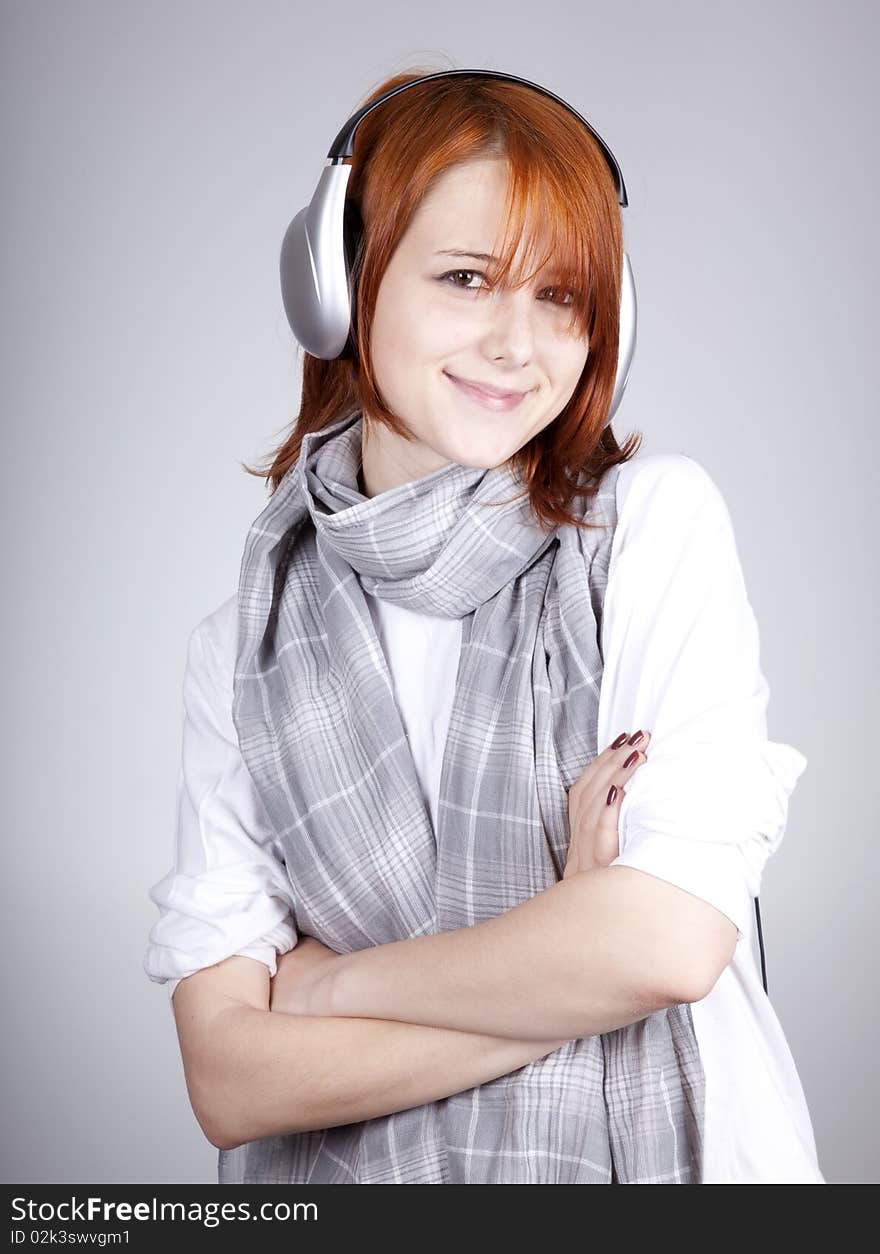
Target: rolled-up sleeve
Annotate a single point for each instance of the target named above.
(681, 659)
(228, 891)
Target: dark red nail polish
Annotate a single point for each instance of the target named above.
(615, 744)
(636, 737)
(633, 757)
(612, 793)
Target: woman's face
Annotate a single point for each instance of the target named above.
(440, 317)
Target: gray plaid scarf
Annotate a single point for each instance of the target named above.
(322, 737)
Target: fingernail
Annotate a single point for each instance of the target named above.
(636, 737)
(633, 757)
(612, 793)
(615, 744)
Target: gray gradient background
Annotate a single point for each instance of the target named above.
(153, 155)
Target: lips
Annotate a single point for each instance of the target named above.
(485, 390)
(496, 402)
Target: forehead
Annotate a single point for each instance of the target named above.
(462, 216)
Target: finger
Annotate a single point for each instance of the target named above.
(606, 844)
(630, 763)
(617, 772)
(629, 756)
(608, 768)
(613, 756)
(613, 801)
(616, 752)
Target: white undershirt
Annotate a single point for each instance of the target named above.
(681, 659)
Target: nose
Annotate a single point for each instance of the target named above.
(509, 335)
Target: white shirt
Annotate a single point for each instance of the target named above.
(705, 811)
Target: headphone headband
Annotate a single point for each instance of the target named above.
(343, 145)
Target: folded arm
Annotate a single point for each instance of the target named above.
(413, 1033)
(252, 1072)
(593, 953)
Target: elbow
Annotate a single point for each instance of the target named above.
(224, 1105)
(684, 981)
(686, 989)
(212, 1114)
(708, 983)
(217, 1050)
(218, 1093)
(714, 950)
(721, 939)
(688, 942)
(224, 1115)
(215, 1116)
(677, 991)
(230, 1114)
(688, 993)
(218, 1136)
(208, 1086)
(221, 1139)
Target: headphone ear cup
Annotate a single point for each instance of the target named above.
(352, 235)
(626, 343)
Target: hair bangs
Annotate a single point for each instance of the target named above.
(543, 236)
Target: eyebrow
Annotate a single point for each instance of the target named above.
(460, 252)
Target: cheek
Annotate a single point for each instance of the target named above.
(568, 368)
(400, 363)
(412, 330)
(391, 352)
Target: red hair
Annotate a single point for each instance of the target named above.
(558, 177)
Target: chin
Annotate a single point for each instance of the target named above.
(487, 462)
(480, 445)
(489, 452)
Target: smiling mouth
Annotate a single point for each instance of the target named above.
(489, 400)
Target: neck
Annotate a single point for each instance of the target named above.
(388, 460)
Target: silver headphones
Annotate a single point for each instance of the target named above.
(319, 248)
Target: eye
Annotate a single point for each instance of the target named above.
(568, 293)
(455, 273)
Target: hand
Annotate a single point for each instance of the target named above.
(593, 823)
(301, 983)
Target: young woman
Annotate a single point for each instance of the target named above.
(476, 788)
